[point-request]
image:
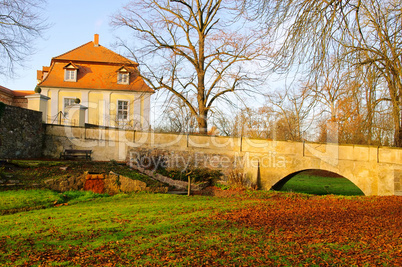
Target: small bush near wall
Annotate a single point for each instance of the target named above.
(238, 179)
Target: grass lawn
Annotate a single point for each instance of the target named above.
(24, 200)
(321, 185)
(254, 228)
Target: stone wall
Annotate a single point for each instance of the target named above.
(21, 132)
(398, 182)
(154, 158)
(263, 162)
(111, 184)
(6, 98)
(20, 101)
(13, 98)
(181, 185)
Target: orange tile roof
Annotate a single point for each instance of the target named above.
(91, 53)
(95, 76)
(13, 93)
(39, 75)
(7, 91)
(97, 69)
(23, 93)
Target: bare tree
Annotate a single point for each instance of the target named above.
(21, 23)
(335, 92)
(177, 118)
(295, 111)
(225, 123)
(376, 42)
(358, 32)
(194, 49)
(353, 100)
(247, 122)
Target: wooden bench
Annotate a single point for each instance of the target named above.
(76, 154)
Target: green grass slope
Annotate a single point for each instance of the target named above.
(319, 185)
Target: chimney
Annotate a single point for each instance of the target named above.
(96, 40)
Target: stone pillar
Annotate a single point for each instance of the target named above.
(77, 112)
(38, 102)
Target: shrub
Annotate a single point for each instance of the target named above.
(236, 178)
(38, 90)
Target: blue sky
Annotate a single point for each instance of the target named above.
(73, 23)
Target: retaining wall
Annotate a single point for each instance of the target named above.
(21, 133)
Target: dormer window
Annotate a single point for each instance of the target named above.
(70, 72)
(123, 76)
(70, 76)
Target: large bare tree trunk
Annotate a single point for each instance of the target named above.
(398, 133)
(194, 50)
(398, 141)
(203, 123)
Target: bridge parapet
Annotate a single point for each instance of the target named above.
(390, 155)
(376, 171)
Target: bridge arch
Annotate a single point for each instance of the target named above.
(315, 172)
(375, 171)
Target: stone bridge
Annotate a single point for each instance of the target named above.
(375, 170)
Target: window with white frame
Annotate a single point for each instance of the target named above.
(122, 110)
(123, 78)
(68, 102)
(70, 75)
